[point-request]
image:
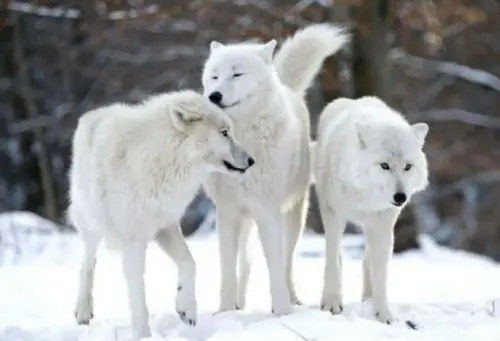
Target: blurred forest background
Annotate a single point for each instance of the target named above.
(436, 61)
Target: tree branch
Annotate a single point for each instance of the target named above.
(450, 68)
(428, 94)
(442, 115)
(31, 124)
(481, 177)
(72, 13)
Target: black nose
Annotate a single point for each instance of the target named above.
(399, 198)
(250, 162)
(215, 97)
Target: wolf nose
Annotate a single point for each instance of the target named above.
(250, 162)
(399, 198)
(215, 97)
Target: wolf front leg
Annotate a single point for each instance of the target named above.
(245, 259)
(295, 222)
(367, 281)
(133, 262)
(84, 311)
(172, 242)
(379, 235)
(228, 220)
(271, 232)
(332, 288)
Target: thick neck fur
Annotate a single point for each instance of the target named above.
(269, 96)
(152, 128)
(262, 117)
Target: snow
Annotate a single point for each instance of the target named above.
(450, 295)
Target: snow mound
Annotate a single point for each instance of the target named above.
(24, 236)
(447, 294)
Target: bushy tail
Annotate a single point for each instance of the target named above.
(300, 57)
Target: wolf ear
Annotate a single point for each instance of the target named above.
(361, 138)
(420, 130)
(267, 51)
(181, 119)
(214, 45)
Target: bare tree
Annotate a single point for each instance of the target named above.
(434, 60)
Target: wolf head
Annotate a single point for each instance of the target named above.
(208, 134)
(238, 72)
(391, 163)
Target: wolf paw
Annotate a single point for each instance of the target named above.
(230, 301)
(295, 300)
(225, 306)
(185, 306)
(140, 332)
(283, 309)
(333, 304)
(385, 316)
(84, 312)
(240, 305)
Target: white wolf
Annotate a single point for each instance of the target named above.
(134, 171)
(368, 163)
(265, 96)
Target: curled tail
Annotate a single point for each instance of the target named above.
(300, 57)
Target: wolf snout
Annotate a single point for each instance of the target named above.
(240, 166)
(239, 169)
(399, 198)
(215, 97)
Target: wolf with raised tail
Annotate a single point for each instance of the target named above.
(265, 97)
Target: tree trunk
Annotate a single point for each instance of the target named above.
(371, 67)
(50, 201)
(372, 76)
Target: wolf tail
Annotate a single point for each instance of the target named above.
(300, 57)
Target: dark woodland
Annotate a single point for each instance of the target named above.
(435, 61)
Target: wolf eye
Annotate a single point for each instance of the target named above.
(408, 166)
(236, 75)
(385, 166)
(224, 132)
(215, 77)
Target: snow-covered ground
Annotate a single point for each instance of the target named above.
(448, 294)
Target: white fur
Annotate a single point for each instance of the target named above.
(134, 171)
(301, 56)
(265, 98)
(354, 138)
